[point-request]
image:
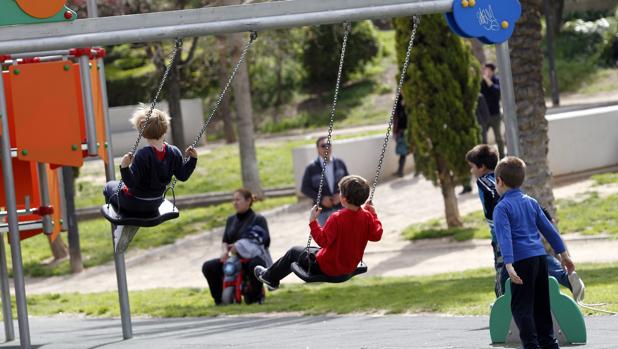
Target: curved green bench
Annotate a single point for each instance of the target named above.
(569, 325)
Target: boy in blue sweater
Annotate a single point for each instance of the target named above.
(518, 219)
(147, 173)
(482, 160)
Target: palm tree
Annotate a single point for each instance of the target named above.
(527, 64)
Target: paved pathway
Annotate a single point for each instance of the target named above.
(399, 203)
(287, 332)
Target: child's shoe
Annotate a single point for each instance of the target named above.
(259, 274)
(577, 286)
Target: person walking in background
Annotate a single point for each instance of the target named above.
(490, 88)
(335, 170)
(400, 124)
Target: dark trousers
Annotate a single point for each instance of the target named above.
(128, 203)
(494, 123)
(281, 268)
(213, 272)
(530, 304)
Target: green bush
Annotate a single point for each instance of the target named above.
(322, 48)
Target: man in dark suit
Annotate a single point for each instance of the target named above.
(334, 171)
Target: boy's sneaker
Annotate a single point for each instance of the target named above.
(577, 286)
(259, 274)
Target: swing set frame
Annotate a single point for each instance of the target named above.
(48, 38)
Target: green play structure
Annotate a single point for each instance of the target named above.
(569, 325)
(12, 12)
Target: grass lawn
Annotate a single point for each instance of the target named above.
(96, 243)
(589, 215)
(466, 293)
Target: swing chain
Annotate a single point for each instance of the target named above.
(172, 60)
(347, 29)
(215, 108)
(415, 20)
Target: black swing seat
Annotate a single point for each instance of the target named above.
(307, 277)
(167, 211)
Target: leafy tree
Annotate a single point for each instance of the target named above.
(322, 44)
(440, 95)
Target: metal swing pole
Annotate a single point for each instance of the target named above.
(206, 21)
(507, 93)
(110, 175)
(11, 208)
(48, 226)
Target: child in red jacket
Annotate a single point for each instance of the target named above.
(342, 239)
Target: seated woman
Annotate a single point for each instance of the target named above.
(246, 234)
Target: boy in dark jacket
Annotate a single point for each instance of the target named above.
(482, 160)
(146, 174)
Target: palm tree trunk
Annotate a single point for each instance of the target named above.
(244, 112)
(527, 62)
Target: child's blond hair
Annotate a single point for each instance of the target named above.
(157, 124)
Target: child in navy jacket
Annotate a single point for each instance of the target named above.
(518, 219)
(147, 173)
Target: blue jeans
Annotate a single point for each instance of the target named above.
(554, 268)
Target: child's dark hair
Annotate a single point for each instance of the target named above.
(490, 66)
(483, 155)
(355, 189)
(247, 194)
(512, 171)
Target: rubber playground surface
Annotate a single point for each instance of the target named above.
(289, 332)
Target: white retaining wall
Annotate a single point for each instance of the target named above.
(578, 141)
(360, 155)
(124, 136)
(583, 140)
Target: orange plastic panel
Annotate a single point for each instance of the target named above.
(45, 113)
(8, 93)
(54, 198)
(41, 8)
(26, 184)
(99, 114)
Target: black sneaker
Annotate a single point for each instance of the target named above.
(259, 274)
(466, 189)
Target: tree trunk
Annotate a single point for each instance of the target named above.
(279, 91)
(527, 62)
(173, 100)
(558, 9)
(75, 253)
(58, 248)
(225, 111)
(447, 185)
(244, 112)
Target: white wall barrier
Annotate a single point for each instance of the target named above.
(583, 140)
(360, 155)
(579, 141)
(124, 136)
